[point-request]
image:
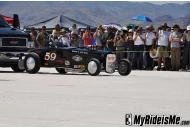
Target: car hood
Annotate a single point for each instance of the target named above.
(73, 49)
(7, 31)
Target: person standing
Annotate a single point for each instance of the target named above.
(42, 38)
(149, 43)
(139, 39)
(81, 41)
(33, 35)
(74, 29)
(186, 50)
(130, 44)
(56, 31)
(175, 39)
(119, 45)
(163, 42)
(107, 40)
(98, 37)
(87, 37)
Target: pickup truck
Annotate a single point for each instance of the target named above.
(13, 43)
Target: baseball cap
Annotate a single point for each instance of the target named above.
(63, 30)
(130, 30)
(188, 28)
(73, 32)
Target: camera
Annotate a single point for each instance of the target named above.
(118, 38)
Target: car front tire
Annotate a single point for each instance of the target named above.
(94, 67)
(32, 63)
(124, 67)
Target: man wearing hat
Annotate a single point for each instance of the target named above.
(107, 40)
(175, 39)
(186, 50)
(163, 42)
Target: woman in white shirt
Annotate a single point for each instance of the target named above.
(139, 39)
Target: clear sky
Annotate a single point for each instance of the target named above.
(165, 2)
(162, 2)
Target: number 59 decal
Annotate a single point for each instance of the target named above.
(50, 56)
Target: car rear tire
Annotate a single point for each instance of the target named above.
(94, 67)
(124, 67)
(61, 70)
(32, 63)
(15, 68)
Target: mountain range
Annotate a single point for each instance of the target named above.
(98, 12)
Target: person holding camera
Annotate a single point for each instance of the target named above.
(139, 39)
(186, 50)
(87, 37)
(107, 40)
(162, 36)
(98, 36)
(119, 45)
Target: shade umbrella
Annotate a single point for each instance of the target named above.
(142, 18)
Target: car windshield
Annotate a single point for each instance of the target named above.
(3, 23)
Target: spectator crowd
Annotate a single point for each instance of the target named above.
(170, 45)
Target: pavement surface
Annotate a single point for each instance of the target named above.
(51, 99)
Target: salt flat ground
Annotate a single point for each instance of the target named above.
(51, 99)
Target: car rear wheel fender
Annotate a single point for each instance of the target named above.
(15, 68)
(124, 67)
(94, 67)
(32, 63)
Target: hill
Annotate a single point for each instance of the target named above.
(100, 12)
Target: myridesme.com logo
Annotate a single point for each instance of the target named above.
(141, 120)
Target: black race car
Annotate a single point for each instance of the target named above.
(71, 59)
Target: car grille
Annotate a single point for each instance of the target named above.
(13, 42)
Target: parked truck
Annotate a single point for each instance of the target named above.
(13, 44)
